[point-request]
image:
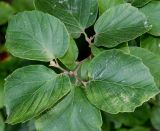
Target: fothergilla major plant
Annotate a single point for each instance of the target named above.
(65, 94)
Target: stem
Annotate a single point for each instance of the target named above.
(55, 64)
(71, 73)
(82, 82)
(89, 40)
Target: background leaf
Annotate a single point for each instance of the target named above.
(1, 93)
(151, 10)
(106, 4)
(76, 14)
(139, 3)
(97, 50)
(31, 90)
(132, 119)
(2, 126)
(151, 60)
(151, 43)
(138, 128)
(73, 113)
(69, 59)
(35, 35)
(22, 5)
(83, 70)
(155, 117)
(5, 12)
(118, 25)
(119, 82)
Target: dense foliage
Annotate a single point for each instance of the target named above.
(86, 65)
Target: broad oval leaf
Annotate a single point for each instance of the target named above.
(69, 59)
(151, 60)
(76, 14)
(118, 25)
(5, 12)
(37, 36)
(151, 43)
(119, 82)
(73, 113)
(151, 10)
(31, 90)
(106, 4)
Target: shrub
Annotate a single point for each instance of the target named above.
(120, 74)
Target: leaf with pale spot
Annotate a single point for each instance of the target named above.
(119, 82)
(76, 14)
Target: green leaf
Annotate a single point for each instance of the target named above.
(151, 60)
(151, 10)
(31, 90)
(136, 118)
(151, 43)
(122, 129)
(2, 125)
(22, 5)
(139, 128)
(124, 48)
(69, 59)
(97, 50)
(119, 82)
(139, 3)
(1, 93)
(73, 113)
(155, 117)
(83, 70)
(5, 12)
(157, 101)
(106, 125)
(118, 25)
(35, 35)
(76, 14)
(106, 4)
